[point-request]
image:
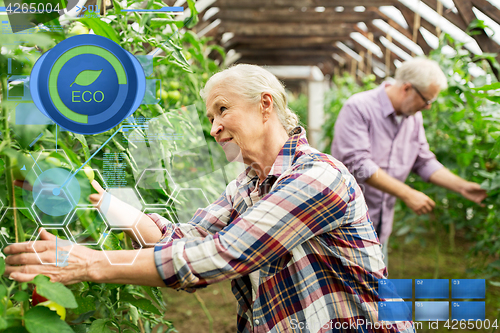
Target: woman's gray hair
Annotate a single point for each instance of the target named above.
(421, 72)
(251, 81)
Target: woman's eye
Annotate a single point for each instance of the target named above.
(222, 109)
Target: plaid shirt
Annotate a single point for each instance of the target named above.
(309, 237)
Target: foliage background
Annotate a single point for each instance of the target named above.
(462, 129)
(181, 63)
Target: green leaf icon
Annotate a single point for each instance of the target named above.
(86, 77)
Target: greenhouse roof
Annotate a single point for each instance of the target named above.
(371, 36)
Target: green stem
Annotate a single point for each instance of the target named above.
(452, 236)
(9, 291)
(8, 163)
(207, 313)
(438, 242)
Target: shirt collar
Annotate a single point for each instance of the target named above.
(385, 102)
(285, 157)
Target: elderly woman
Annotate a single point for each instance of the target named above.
(292, 232)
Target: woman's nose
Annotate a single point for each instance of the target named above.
(216, 128)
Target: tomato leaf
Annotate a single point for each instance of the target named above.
(101, 28)
(2, 266)
(85, 304)
(55, 292)
(21, 296)
(37, 320)
(100, 326)
(144, 304)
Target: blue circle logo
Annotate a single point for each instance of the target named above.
(87, 84)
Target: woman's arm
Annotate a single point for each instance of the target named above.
(118, 212)
(83, 264)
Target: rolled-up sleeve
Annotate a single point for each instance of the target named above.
(426, 163)
(351, 144)
(302, 204)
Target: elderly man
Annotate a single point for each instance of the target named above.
(379, 136)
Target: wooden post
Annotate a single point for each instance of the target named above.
(416, 26)
(388, 57)
(440, 12)
(354, 67)
(369, 57)
(362, 62)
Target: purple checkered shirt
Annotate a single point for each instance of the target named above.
(309, 237)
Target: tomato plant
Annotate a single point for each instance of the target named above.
(182, 65)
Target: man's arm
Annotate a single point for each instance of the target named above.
(351, 144)
(469, 190)
(416, 200)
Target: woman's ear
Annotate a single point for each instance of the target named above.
(266, 104)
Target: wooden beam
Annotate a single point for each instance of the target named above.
(294, 52)
(447, 14)
(300, 3)
(485, 43)
(488, 9)
(377, 32)
(285, 16)
(266, 42)
(408, 14)
(282, 60)
(376, 40)
(295, 29)
(392, 23)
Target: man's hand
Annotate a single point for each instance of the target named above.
(473, 192)
(469, 190)
(418, 202)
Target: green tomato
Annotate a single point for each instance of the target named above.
(204, 76)
(59, 309)
(187, 55)
(163, 94)
(79, 29)
(7, 302)
(174, 95)
(16, 169)
(174, 85)
(54, 161)
(89, 173)
(14, 311)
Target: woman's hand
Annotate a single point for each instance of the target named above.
(23, 264)
(95, 198)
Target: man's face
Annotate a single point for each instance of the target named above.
(416, 100)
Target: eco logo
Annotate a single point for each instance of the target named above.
(87, 84)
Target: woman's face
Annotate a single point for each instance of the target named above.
(237, 124)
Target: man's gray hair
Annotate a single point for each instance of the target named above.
(251, 81)
(421, 72)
